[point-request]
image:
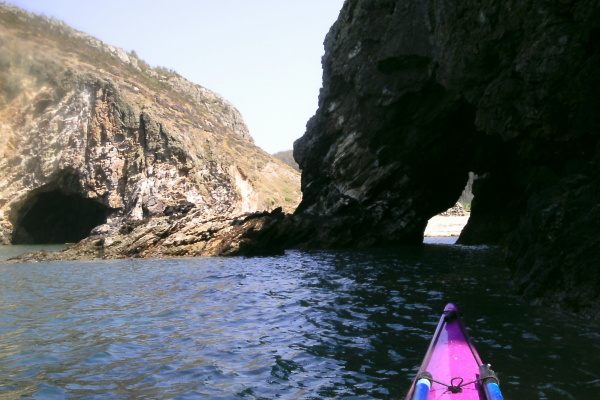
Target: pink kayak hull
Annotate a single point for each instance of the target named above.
(451, 359)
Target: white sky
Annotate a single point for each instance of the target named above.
(264, 56)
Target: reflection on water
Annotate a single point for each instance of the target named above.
(348, 324)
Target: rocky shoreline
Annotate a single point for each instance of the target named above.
(193, 235)
(441, 226)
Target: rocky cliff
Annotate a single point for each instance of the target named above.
(417, 94)
(92, 138)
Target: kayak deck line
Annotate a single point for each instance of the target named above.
(452, 368)
(457, 388)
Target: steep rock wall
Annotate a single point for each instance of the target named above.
(87, 127)
(417, 94)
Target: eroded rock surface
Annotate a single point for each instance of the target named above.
(90, 135)
(417, 94)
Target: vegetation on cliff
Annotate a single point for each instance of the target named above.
(288, 158)
(83, 121)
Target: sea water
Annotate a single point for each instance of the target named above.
(306, 325)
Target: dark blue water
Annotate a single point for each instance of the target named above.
(307, 325)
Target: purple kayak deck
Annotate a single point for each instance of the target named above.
(451, 355)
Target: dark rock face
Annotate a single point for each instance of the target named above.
(389, 144)
(417, 94)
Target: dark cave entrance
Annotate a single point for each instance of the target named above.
(54, 217)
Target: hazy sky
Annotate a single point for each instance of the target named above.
(264, 56)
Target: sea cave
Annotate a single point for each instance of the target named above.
(54, 217)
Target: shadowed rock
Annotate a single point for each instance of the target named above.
(417, 94)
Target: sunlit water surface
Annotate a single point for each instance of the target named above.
(307, 325)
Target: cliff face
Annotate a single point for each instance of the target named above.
(417, 94)
(91, 136)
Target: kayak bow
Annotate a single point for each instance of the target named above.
(452, 368)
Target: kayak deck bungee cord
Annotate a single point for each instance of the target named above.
(452, 368)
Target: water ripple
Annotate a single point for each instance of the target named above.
(307, 325)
